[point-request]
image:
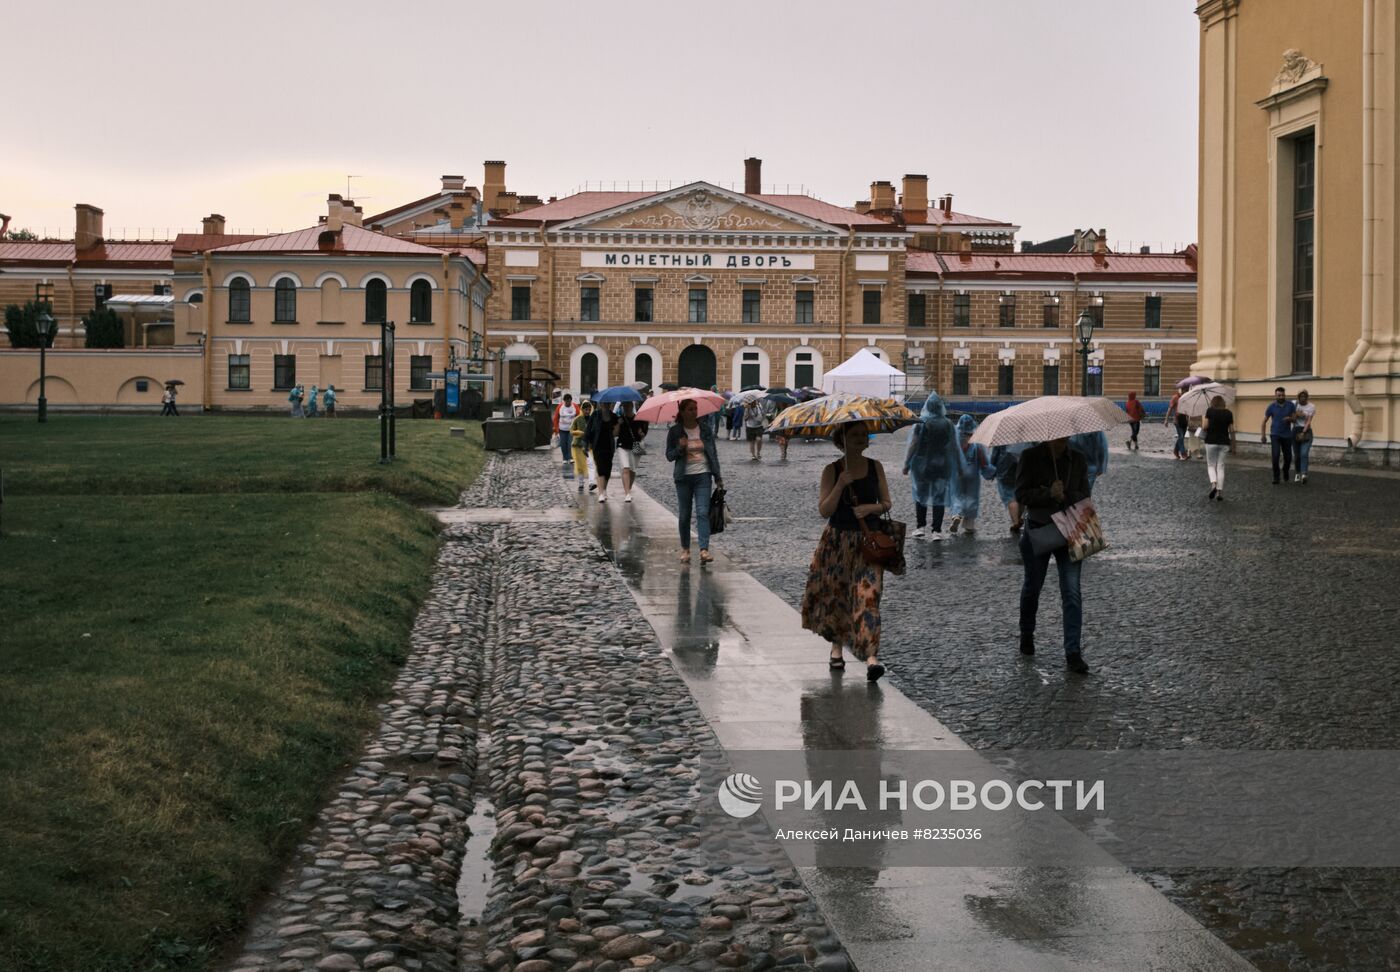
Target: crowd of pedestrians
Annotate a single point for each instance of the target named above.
(304, 404)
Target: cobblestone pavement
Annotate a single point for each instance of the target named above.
(1266, 621)
(539, 796)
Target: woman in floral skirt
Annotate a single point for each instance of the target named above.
(842, 600)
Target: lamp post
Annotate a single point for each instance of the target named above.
(44, 325)
(1084, 329)
(386, 391)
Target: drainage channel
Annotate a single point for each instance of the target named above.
(474, 883)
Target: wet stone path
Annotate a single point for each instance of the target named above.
(539, 796)
(1265, 622)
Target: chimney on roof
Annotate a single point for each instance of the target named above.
(947, 206)
(4, 225)
(915, 199)
(882, 197)
(1100, 252)
(1144, 249)
(87, 226)
(493, 184)
(456, 215)
(553, 198)
(335, 214)
(508, 202)
(863, 206)
(213, 225)
(753, 176)
(354, 215)
(965, 249)
(453, 183)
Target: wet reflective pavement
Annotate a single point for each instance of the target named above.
(762, 683)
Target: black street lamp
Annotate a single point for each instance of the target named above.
(386, 391)
(44, 325)
(1084, 329)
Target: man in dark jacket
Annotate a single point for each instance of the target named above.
(1050, 478)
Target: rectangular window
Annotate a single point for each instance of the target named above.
(699, 305)
(1050, 380)
(1304, 148)
(804, 307)
(918, 312)
(1151, 380)
(1096, 312)
(418, 367)
(1006, 379)
(804, 371)
(641, 305)
(1052, 313)
(751, 306)
(962, 311)
(1093, 383)
(284, 304)
(100, 293)
(520, 303)
(960, 382)
(588, 304)
(284, 370)
(871, 307)
(374, 372)
(1153, 311)
(238, 371)
(749, 370)
(1006, 313)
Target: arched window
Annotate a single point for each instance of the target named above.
(284, 308)
(588, 373)
(643, 368)
(239, 305)
(420, 302)
(376, 302)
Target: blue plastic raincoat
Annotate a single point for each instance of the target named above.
(1093, 446)
(965, 494)
(1005, 459)
(932, 458)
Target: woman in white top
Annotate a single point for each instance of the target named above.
(1302, 436)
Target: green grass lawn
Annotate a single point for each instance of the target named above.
(231, 454)
(183, 673)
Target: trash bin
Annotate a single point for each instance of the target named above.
(422, 408)
(507, 434)
(544, 425)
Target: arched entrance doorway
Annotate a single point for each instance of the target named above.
(696, 368)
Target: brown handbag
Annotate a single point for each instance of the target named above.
(883, 547)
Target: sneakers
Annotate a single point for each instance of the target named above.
(953, 525)
(580, 487)
(935, 535)
(1305, 479)
(626, 497)
(1027, 642)
(1212, 494)
(1075, 663)
(918, 533)
(592, 487)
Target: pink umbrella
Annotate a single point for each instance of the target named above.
(662, 408)
(1191, 382)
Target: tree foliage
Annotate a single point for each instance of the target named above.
(22, 236)
(22, 324)
(104, 329)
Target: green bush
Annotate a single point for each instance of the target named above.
(104, 329)
(22, 324)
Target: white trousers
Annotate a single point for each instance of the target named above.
(1215, 464)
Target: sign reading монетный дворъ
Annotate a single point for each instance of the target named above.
(697, 260)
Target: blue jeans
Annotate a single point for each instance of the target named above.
(694, 489)
(566, 446)
(1300, 456)
(1071, 601)
(1179, 449)
(1281, 445)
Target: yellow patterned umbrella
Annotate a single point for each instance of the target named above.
(821, 416)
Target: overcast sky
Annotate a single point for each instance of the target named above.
(1054, 114)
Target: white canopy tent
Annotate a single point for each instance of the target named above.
(863, 373)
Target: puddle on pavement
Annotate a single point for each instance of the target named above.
(474, 883)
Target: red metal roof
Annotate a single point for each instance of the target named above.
(36, 253)
(199, 242)
(352, 239)
(150, 253)
(582, 204)
(1049, 264)
(937, 217)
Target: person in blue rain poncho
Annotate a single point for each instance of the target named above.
(1093, 446)
(965, 491)
(1004, 461)
(931, 460)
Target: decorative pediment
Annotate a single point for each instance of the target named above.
(1297, 68)
(700, 208)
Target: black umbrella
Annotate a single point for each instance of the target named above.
(752, 388)
(779, 390)
(669, 386)
(175, 381)
(782, 401)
